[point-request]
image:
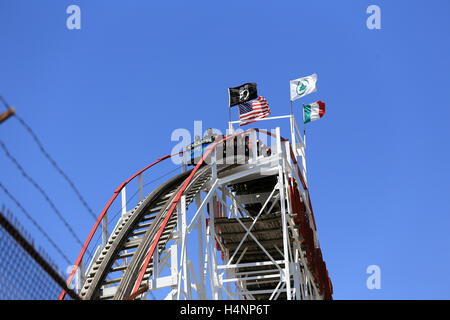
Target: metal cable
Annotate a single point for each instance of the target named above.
(5, 104)
(34, 222)
(43, 193)
(52, 161)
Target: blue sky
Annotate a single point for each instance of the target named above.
(105, 99)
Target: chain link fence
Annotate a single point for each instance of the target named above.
(24, 272)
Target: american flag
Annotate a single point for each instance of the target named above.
(252, 111)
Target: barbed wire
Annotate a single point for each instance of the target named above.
(34, 222)
(5, 104)
(51, 160)
(61, 172)
(43, 193)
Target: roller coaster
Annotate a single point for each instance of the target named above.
(236, 223)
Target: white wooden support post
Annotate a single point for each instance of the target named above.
(208, 257)
(285, 240)
(224, 201)
(124, 201)
(234, 207)
(295, 266)
(155, 266)
(140, 187)
(304, 159)
(201, 290)
(230, 127)
(278, 137)
(293, 140)
(307, 290)
(213, 254)
(183, 164)
(229, 273)
(297, 276)
(304, 165)
(105, 229)
(185, 276)
(80, 276)
(254, 145)
(288, 158)
(213, 164)
(174, 269)
(283, 218)
(216, 210)
(180, 244)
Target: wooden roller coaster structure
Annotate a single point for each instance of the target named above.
(238, 225)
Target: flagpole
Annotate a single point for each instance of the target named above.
(229, 119)
(304, 146)
(230, 125)
(304, 126)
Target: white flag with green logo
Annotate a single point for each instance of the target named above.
(303, 86)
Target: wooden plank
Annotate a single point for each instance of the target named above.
(8, 113)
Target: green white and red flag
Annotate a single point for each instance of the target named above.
(313, 111)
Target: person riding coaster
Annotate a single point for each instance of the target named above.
(232, 151)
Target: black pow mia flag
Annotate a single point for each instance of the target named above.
(243, 93)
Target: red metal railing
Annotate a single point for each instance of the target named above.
(178, 197)
(172, 208)
(104, 211)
